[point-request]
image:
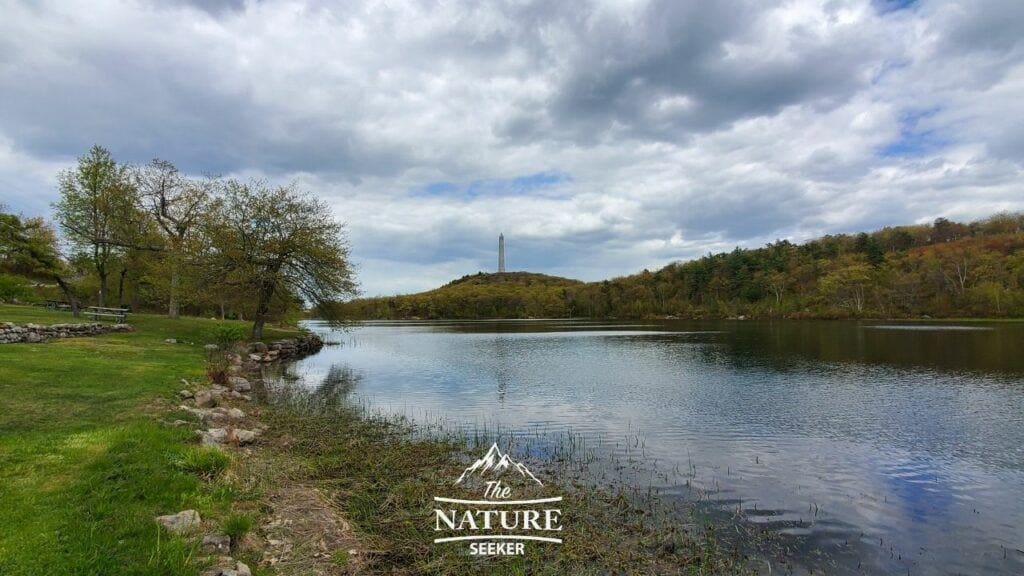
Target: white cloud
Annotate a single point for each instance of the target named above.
(682, 127)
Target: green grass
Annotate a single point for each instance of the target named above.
(85, 463)
(237, 525)
(204, 461)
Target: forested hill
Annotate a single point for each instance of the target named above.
(944, 269)
(504, 295)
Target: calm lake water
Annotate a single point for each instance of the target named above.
(880, 448)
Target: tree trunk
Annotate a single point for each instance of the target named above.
(120, 287)
(257, 328)
(262, 307)
(72, 300)
(172, 306)
(103, 286)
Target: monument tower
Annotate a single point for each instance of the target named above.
(501, 253)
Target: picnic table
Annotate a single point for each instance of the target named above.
(98, 312)
(58, 305)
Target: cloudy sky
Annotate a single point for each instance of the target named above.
(602, 137)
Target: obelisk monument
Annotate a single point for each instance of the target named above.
(501, 253)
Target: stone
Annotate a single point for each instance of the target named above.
(216, 543)
(241, 437)
(239, 384)
(255, 357)
(171, 341)
(211, 347)
(213, 436)
(210, 416)
(235, 414)
(259, 347)
(180, 523)
(33, 337)
(227, 566)
(205, 399)
(186, 394)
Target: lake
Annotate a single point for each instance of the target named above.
(860, 447)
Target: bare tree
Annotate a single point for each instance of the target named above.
(956, 273)
(177, 204)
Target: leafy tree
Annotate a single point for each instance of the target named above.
(97, 212)
(847, 285)
(279, 242)
(29, 248)
(874, 252)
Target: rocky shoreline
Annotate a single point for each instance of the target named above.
(223, 425)
(35, 333)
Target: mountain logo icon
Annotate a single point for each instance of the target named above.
(494, 464)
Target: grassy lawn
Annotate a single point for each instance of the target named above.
(85, 461)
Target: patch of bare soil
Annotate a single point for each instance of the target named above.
(304, 533)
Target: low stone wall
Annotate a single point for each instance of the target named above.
(285, 349)
(13, 333)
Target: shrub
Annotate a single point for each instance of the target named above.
(217, 374)
(225, 336)
(15, 289)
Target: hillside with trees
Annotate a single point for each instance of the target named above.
(505, 295)
(150, 238)
(943, 269)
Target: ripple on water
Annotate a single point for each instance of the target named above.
(872, 442)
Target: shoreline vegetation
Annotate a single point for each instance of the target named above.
(95, 447)
(385, 470)
(943, 270)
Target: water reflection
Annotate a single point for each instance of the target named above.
(886, 448)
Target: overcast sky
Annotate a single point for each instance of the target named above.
(600, 137)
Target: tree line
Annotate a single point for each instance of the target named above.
(942, 269)
(152, 238)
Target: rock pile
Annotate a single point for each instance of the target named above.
(222, 420)
(12, 333)
(283, 349)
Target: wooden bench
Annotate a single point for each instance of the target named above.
(98, 312)
(58, 305)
